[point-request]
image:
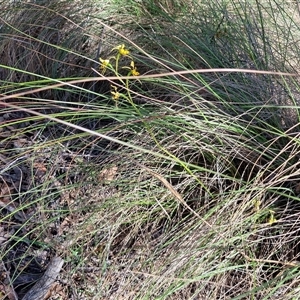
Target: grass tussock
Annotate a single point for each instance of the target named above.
(180, 182)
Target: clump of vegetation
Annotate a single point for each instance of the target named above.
(162, 168)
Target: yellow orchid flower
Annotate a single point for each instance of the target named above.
(256, 204)
(115, 94)
(104, 64)
(133, 71)
(122, 50)
(272, 218)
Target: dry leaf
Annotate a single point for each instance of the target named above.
(5, 194)
(108, 174)
(65, 224)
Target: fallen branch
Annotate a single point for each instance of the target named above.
(40, 289)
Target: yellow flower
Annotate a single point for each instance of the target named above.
(256, 204)
(115, 94)
(122, 50)
(133, 71)
(272, 218)
(104, 64)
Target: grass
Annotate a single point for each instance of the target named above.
(183, 187)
